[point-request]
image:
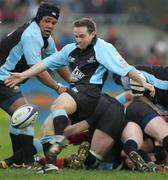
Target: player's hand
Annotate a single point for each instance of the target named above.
(61, 88)
(150, 88)
(14, 79)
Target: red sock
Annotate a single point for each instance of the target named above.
(60, 162)
(77, 139)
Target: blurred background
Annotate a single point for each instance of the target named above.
(137, 28)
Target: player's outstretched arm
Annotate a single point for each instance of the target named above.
(16, 78)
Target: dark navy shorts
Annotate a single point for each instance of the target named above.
(85, 105)
(108, 117)
(141, 113)
(8, 96)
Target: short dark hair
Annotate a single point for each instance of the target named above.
(85, 22)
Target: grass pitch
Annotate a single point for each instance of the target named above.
(63, 174)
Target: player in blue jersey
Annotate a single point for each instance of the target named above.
(19, 50)
(90, 58)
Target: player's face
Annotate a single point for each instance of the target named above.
(47, 25)
(83, 37)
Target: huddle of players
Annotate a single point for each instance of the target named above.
(129, 128)
(136, 130)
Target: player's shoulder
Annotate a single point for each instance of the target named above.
(101, 43)
(69, 47)
(32, 31)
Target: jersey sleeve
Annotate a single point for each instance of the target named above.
(31, 49)
(59, 59)
(108, 56)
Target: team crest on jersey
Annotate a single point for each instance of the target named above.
(91, 59)
(77, 75)
(71, 59)
(123, 63)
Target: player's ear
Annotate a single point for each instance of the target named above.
(93, 33)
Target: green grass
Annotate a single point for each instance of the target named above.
(63, 174)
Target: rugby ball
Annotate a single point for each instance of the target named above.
(24, 116)
(136, 88)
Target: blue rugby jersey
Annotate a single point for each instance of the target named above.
(90, 66)
(23, 47)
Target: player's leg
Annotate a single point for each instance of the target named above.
(25, 135)
(70, 104)
(142, 114)
(158, 129)
(18, 156)
(109, 123)
(151, 122)
(10, 100)
(132, 138)
(53, 127)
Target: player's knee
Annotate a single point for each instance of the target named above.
(57, 104)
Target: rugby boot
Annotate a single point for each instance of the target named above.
(69, 159)
(35, 166)
(78, 160)
(156, 167)
(58, 143)
(139, 163)
(4, 164)
(14, 165)
(48, 168)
